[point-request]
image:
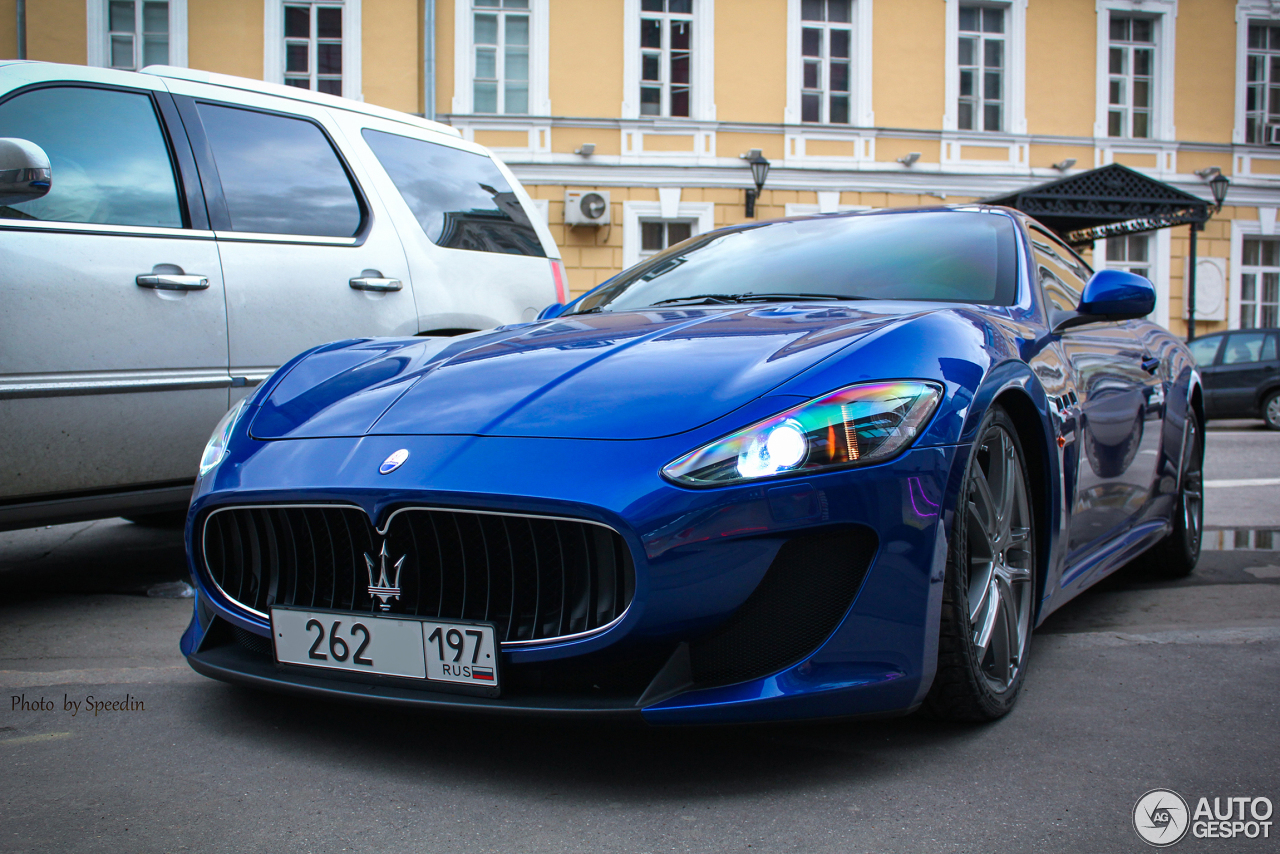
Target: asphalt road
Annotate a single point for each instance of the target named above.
(1133, 686)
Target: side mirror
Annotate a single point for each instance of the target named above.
(24, 171)
(551, 311)
(1111, 295)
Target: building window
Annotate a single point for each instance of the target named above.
(657, 235)
(1131, 253)
(666, 47)
(313, 47)
(1260, 283)
(826, 44)
(1262, 92)
(1131, 62)
(137, 34)
(981, 58)
(500, 37)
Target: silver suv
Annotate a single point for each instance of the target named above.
(168, 238)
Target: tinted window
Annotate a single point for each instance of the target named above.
(1203, 350)
(280, 175)
(109, 157)
(960, 257)
(460, 199)
(1245, 347)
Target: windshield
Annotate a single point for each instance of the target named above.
(949, 256)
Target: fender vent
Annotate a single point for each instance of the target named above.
(804, 595)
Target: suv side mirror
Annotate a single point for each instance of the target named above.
(551, 311)
(24, 171)
(1111, 295)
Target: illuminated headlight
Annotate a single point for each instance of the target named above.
(216, 448)
(855, 426)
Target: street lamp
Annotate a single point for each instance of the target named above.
(1218, 187)
(759, 171)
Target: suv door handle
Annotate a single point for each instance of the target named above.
(1150, 365)
(375, 283)
(172, 282)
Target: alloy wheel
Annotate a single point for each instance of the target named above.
(1193, 489)
(998, 520)
(1271, 412)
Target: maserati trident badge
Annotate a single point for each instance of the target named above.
(384, 590)
(394, 461)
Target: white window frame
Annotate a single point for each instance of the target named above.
(1015, 103)
(1264, 226)
(1248, 12)
(668, 208)
(1159, 252)
(1164, 15)
(464, 50)
(273, 45)
(860, 111)
(98, 40)
(702, 106)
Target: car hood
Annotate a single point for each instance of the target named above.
(616, 375)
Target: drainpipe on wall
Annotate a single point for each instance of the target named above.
(428, 58)
(22, 29)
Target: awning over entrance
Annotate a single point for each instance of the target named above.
(1106, 202)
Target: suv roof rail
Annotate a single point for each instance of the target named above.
(292, 92)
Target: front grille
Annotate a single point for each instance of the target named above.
(535, 578)
(803, 596)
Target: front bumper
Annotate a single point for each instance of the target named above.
(699, 555)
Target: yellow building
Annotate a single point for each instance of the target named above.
(855, 103)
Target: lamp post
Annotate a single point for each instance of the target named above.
(1218, 186)
(759, 171)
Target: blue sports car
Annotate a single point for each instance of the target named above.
(825, 466)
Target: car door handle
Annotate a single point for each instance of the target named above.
(1150, 365)
(375, 283)
(172, 282)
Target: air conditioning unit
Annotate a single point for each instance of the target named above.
(1271, 134)
(586, 208)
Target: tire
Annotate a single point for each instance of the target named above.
(1271, 410)
(989, 592)
(1176, 555)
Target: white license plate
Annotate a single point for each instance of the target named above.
(432, 650)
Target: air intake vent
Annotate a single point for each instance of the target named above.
(805, 594)
(536, 578)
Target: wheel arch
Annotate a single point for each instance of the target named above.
(1013, 386)
(1033, 437)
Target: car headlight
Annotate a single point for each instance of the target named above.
(216, 448)
(855, 426)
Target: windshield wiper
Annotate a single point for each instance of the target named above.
(707, 298)
(737, 298)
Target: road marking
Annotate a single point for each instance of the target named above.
(35, 739)
(1086, 640)
(1246, 481)
(98, 676)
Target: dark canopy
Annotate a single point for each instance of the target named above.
(1105, 202)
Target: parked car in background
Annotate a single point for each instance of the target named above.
(814, 467)
(194, 231)
(1241, 374)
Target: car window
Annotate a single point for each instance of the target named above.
(1244, 347)
(110, 161)
(280, 175)
(460, 199)
(943, 256)
(1203, 350)
(1056, 293)
(1062, 274)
